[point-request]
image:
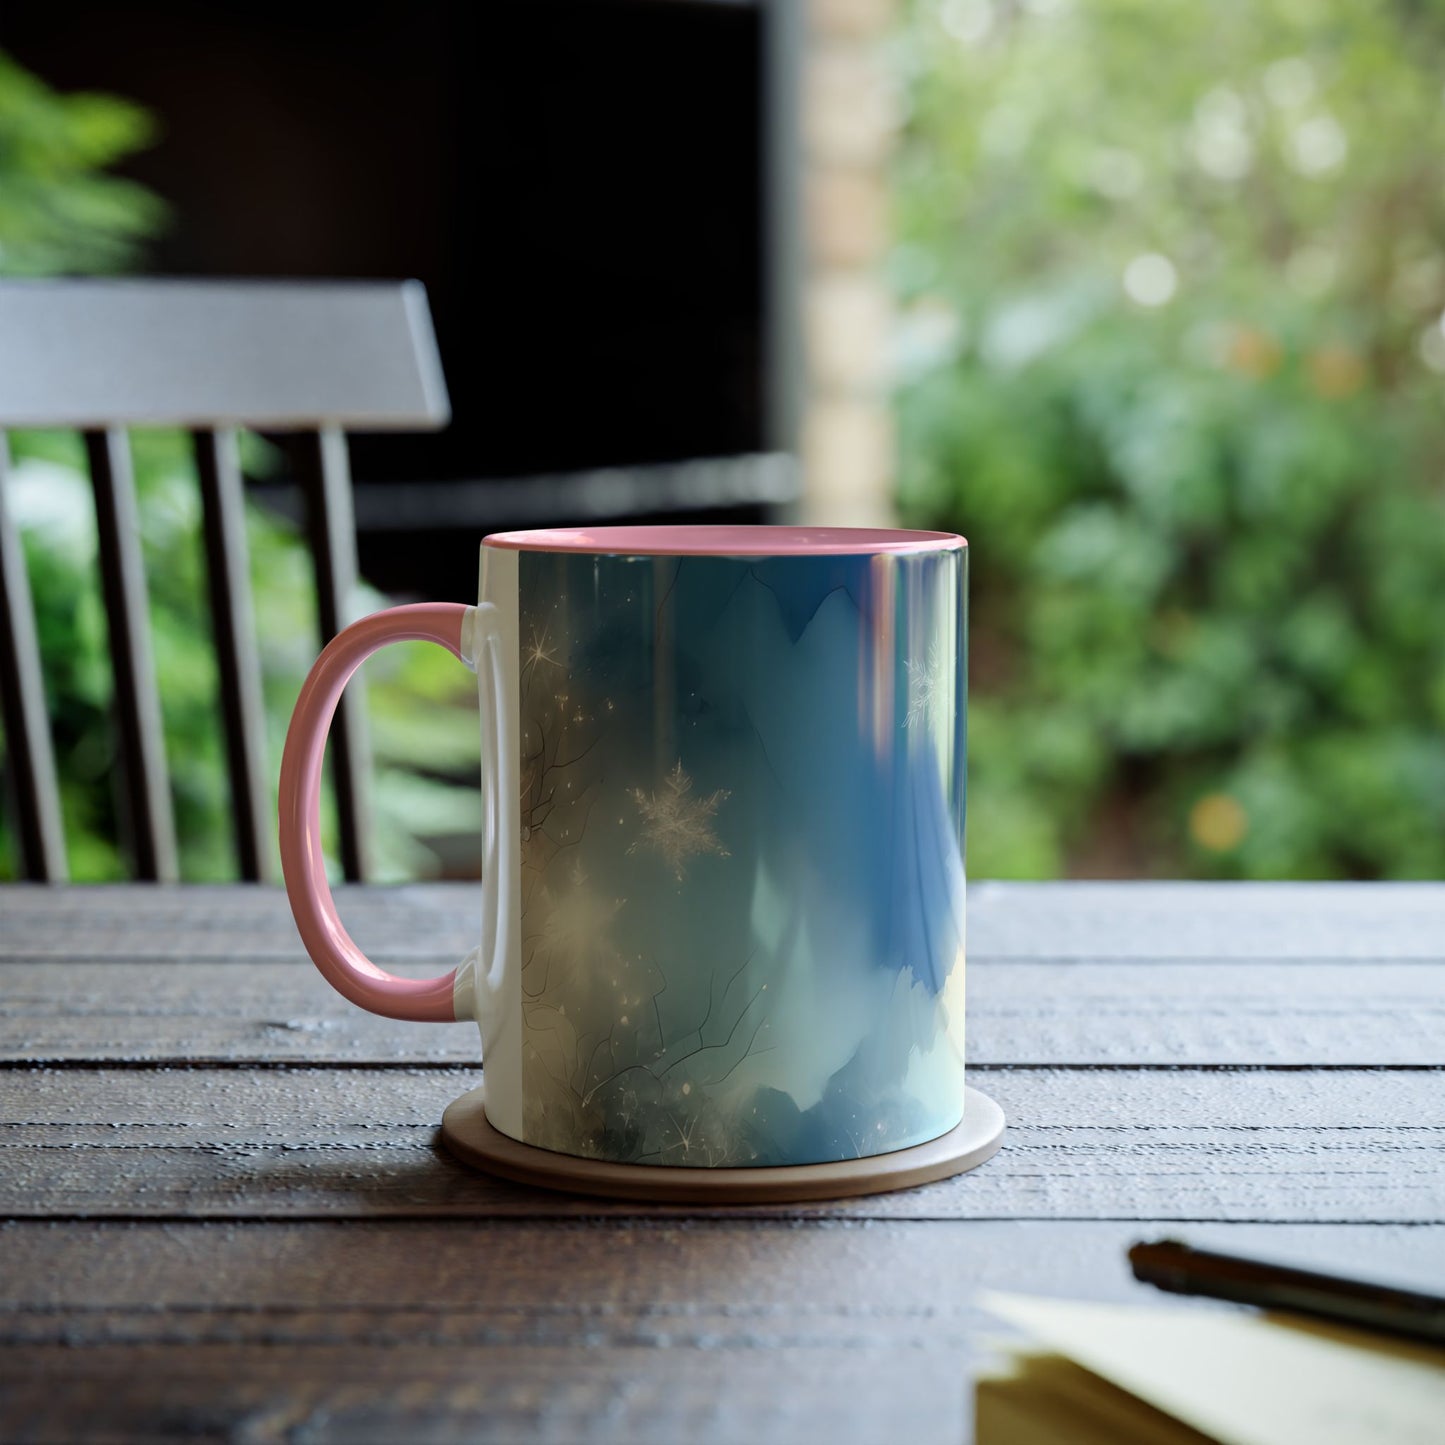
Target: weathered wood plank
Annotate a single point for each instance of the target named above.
(752, 1282)
(716, 1331)
(1152, 921)
(228, 922)
(1145, 922)
(1019, 1013)
(1355, 1146)
(438, 1393)
(1356, 1013)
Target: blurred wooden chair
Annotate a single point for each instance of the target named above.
(211, 357)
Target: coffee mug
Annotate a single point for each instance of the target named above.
(722, 856)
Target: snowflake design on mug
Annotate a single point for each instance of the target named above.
(925, 687)
(677, 826)
(539, 652)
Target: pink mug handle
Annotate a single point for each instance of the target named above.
(346, 968)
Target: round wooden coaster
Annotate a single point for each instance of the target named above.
(469, 1136)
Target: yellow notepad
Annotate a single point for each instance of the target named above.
(1124, 1373)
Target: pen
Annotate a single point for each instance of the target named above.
(1181, 1269)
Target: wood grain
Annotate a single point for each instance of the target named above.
(722, 1331)
(434, 1393)
(1113, 1144)
(1145, 922)
(750, 1282)
(1325, 1014)
(229, 1219)
(229, 923)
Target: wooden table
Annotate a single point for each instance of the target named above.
(228, 1218)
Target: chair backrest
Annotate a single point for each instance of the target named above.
(211, 357)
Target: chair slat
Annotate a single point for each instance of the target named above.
(275, 355)
(233, 625)
(146, 789)
(325, 476)
(29, 758)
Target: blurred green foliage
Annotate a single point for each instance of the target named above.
(59, 213)
(1172, 281)
(423, 719)
(59, 209)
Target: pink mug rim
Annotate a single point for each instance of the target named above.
(726, 541)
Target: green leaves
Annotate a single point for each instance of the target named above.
(1192, 420)
(58, 211)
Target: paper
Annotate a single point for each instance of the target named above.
(1236, 1377)
(1048, 1400)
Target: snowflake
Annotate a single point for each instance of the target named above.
(576, 920)
(925, 687)
(677, 826)
(538, 652)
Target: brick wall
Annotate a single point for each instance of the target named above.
(848, 124)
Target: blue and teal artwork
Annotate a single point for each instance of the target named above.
(742, 855)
